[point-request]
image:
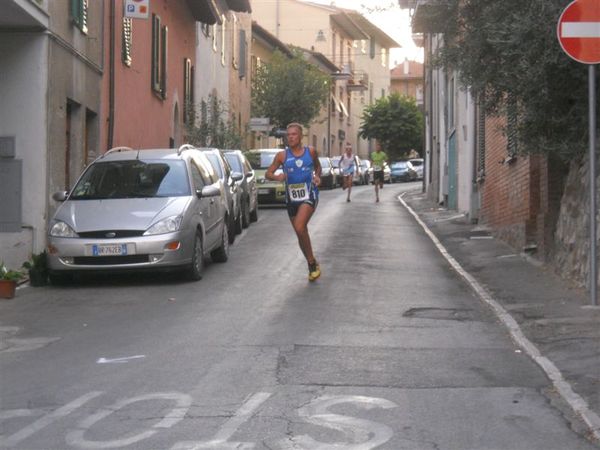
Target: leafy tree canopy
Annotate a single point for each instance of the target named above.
(509, 49)
(210, 126)
(396, 122)
(289, 90)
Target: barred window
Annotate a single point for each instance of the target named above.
(126, 41)
(79, 11)
(511, 126)
(188, 91)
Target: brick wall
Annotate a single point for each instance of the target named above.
(520, 199)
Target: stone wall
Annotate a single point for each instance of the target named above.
(572, 237)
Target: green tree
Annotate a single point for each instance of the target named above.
(210, 127)
(507, 52)
(288, 90)
(396, 122)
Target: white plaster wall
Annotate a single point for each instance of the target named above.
(464, 128)
(23, 90)
(210, 73)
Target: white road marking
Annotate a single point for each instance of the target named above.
(76, 437)
(580, 30)
(363, 434)
(118, 360)
(229, 428)
(46, 420)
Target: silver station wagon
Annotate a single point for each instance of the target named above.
(139, 210)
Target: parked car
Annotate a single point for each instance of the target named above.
(387, 173)
(402, 171)
(417, 164)
(335, 163)
(140, 209)
(269, 192)
(367, 171)
(328, 177)
(247, 185)
(233, 192)
(358, 176)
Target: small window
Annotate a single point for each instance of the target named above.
(384, 57)
(126, 41)
(79, 11)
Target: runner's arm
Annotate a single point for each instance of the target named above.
(276, 164)
(317, 164)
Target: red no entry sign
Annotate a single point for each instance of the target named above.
(579, 31)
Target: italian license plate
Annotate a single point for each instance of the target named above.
(263, 191)
(109, 249)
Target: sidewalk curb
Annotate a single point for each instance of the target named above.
(564, 389)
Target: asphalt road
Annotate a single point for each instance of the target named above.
(388, 350)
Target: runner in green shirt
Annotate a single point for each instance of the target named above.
(378, 159)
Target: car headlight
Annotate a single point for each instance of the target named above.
(167, 225)
(62, 229)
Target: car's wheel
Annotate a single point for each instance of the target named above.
(254, 213)
(60, 278)
(221, 254)
(246, 214)
(231, 228)
(238, 222)
(194, 271)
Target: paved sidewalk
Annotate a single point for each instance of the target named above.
(550, 319)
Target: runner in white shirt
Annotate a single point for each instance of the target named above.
(347, 167)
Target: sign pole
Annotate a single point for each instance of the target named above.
(592, 124)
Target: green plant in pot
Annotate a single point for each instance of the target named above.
(8, 281)
(38, 269)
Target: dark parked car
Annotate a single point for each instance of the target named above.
(402, 171)
(234, 193)
(247, 184)
(140, 210)
(328, 177)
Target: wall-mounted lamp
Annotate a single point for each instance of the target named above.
(321, 36)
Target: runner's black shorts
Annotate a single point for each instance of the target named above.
(292, 207)
(378, 176)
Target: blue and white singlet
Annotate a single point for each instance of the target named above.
(299, 177)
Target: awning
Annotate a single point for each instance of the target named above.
(336, 102)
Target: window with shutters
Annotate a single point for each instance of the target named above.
(79, 12)
(126, 41)
(159, 57)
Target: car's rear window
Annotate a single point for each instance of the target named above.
(261, 160)
(416, 162)
(234, 162)
(133, 179)
(324, 162)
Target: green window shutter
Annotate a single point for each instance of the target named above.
(243, 54)
(155, 65)
(79, 10)
(163, 61)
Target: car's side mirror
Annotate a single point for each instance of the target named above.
(60, 196)
(236, 176)
(250, 174)
(208, 191)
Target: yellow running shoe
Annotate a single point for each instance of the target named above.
(314, 271)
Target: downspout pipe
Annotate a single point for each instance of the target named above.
(111, 83)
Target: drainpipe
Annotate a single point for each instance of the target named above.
(111, 84)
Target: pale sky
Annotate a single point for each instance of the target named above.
(395, 22)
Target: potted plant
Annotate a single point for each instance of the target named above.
(8, 281)
(38, 269)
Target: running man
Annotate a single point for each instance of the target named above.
(378, 159)
(302, 176)
(347, 167)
